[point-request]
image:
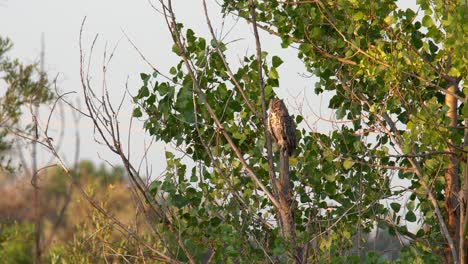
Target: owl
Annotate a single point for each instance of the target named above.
(281, 126)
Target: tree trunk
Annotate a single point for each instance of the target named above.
(286, 210)
(451, 175)
(35, 173)
(463, 200)
(35, 184)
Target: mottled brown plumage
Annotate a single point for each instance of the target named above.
(281, 126)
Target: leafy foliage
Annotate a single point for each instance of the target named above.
(73, 231)
(20, 86)
(321, 178)
(96, 240)
(388, 71)
(16, 243)
(383, 64)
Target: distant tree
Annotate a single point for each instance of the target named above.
(21, 85)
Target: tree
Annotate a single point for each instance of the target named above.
(25, 86)
(398, 77)
(394, 76)
(22, 85)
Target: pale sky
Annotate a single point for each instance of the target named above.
(24, 21)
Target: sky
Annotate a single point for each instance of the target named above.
(58, 22)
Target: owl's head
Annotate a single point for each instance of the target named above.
(276, 103)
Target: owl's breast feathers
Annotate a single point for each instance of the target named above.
(281, 126)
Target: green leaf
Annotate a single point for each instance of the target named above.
(410, 216)
(173, 71)
(273, 74)
(214, 43)
(184, 100)
(169, 155)
(193, 178)
(427, 21)
(454, 72)
(278, 250)
(190, 35)
(268, 91)
(293, 161)
(179, 200)
(410, 13)
(330, 177)
(202, 44)
(176, 49)
(348, 163)
(151, 99)
(144, 76)
(143, 92)
(304, 197)
(465, 111)
(299, 119)
(215, 221)
(277, 61)
(231, 251)
(395, 206)
(433, 47)
(417, 42)
(358, 16)
(340, 113)
(162, 88)
(137, 112)
(390, 20)
(154, 187)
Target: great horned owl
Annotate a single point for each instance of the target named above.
(281, 126)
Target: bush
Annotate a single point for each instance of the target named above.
(16, 242)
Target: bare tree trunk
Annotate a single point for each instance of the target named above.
(286, 210)
(36, 202)
(451, 175)
(34, 174)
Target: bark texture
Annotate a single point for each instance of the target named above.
(451, 175)
(287, 206)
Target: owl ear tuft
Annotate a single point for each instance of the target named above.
(271, 103)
